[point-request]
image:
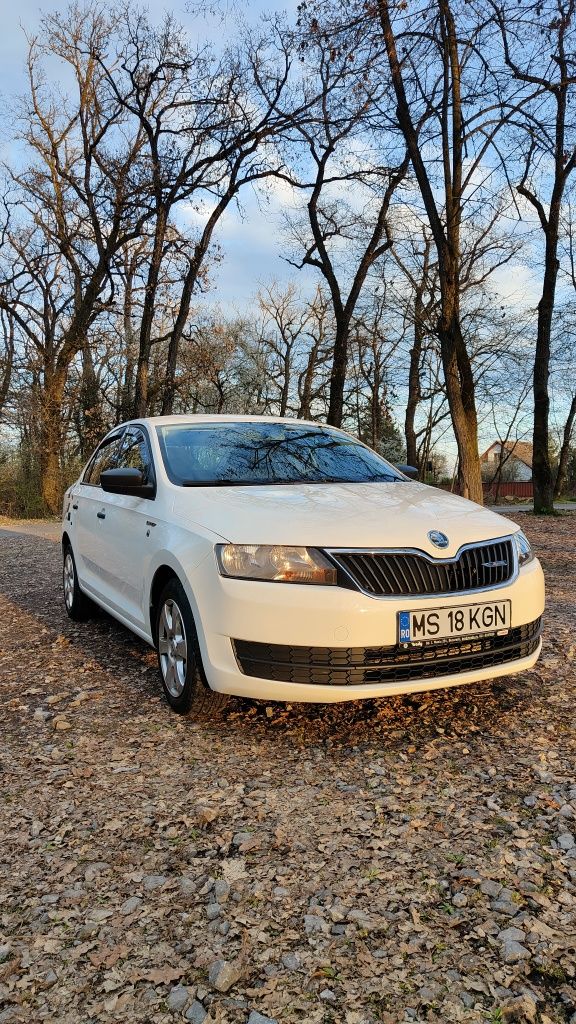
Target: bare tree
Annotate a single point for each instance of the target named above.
(285, 320)
(313, 379)
(374, 345)
(538, 46)
(507, 416)
(455, 104)
(75, 204)
(420, 309)
(150, 123)
(448, 107)
(563, 387)
(351, 98)
(563, 363)
(565, 448)
(8, 333)
(210, 124)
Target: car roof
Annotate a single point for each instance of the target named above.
(182, 418)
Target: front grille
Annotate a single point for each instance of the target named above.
(347, 666)
(395, 574)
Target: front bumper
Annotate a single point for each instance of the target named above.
(342, 621)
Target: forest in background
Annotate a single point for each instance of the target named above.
(425, 150)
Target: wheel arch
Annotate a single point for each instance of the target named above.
(161, 576)
(66, 542)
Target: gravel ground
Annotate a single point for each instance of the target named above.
(410, 859)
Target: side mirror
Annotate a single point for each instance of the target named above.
(126, 481)
(409, 471)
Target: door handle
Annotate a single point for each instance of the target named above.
(74, 507)
(101, 515)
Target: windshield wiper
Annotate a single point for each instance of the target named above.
(218, 483)
(249, 483)
(296, 480)
(381, 479)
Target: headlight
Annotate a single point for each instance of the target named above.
(525, 553)
(276, 563)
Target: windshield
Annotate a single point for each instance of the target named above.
(251, 453)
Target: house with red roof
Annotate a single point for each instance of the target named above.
(516, 459)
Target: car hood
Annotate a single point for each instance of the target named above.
(340, 515)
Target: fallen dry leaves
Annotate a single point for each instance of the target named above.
(411, 859)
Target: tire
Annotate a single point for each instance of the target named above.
(179, 660)
(78, 606)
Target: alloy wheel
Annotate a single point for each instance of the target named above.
(172, 648)
(68, 580)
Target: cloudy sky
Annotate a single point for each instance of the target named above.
(250, 238)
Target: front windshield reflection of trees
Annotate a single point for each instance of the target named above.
(251, 454)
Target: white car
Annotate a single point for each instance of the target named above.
(281, 559)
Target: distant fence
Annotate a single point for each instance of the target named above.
(508, 489)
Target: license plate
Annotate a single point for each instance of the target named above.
(427, 624)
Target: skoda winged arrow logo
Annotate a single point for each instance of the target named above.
(439, 540)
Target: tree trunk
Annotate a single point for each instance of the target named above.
(497, 478)
(169, 389)
(285, 392)
(455, 359)
(460, 393)
(542, 474)
(459, 379)
(562, 474)
(126, 402)
(376, 407)
(414, 385)
(189, 283)
(145, 341)
(414, 395)
(140, 403)
(51, 440)
(306, 395)
(338, 375)
(7, 364)
(90, 417)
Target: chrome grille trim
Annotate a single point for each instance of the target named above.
(390, 573)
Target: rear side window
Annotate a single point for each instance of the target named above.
(135, 454)
(104, 458)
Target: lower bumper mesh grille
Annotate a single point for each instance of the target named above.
(348, 666)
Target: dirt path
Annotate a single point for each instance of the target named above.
(45, 528)
(393, 861)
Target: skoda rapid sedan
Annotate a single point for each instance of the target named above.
(285, 560)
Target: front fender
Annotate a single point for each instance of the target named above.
(182, 555)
